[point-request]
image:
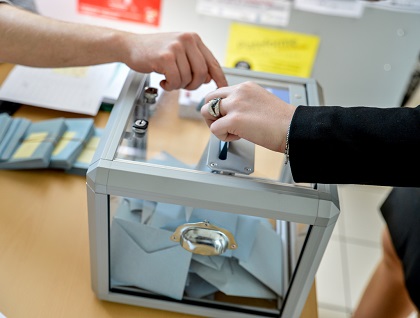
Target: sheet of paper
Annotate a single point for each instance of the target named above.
(77, 90)
(116, 83)
(269, 12)
(342, 8)
(271, 50)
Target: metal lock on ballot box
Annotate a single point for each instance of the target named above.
(180, 221)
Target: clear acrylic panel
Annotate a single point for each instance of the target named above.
(193, 253)
(199, 256)
(176, 140)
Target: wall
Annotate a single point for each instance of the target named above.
(365, 61)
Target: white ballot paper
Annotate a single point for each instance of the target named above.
(72, 89)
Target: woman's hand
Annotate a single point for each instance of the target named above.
(249, 111)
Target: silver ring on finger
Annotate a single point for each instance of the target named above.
(214, 107)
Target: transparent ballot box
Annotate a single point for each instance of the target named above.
(183, 222)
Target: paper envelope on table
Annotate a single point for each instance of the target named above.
(5, 121)
(266, 259)
(35, 149)
(227, 221)
(13, 137)
(146, 257)
(71, 144)
(82, 162)
(233, 280)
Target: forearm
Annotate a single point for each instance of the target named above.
(359, 145)
(33, 40)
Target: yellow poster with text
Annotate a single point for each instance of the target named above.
(271, 50)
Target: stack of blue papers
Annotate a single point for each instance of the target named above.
(82, 162)
(31, 144)
(71, 144)
(61, 143)
(5, 121)
(12, 136)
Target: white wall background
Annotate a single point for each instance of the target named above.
(365, 61)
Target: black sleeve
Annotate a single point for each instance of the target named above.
(355, 145)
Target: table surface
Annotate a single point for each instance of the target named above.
(44, 244)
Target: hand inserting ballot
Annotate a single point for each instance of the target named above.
(249, 111)
(182, 57)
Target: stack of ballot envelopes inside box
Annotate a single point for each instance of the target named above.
(139, 245)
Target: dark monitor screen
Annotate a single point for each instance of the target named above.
(282, 93)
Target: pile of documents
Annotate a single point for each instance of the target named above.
(144, 256)
(60, 143)
(72, 89)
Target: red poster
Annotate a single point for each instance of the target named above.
(141, 11)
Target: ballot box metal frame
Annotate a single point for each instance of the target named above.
(316, 205)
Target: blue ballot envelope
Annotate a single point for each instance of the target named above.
(12, 137)
(141, 255)
(72, 142)
(31, 144)
(5, 121)
(85, 156)
(182, 222)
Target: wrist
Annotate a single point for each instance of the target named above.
(118, 43)
(286, 147)
(287, 116)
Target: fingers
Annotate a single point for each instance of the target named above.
(221, 129)
(203, 64)
(214, 69)
(182, 58)
(208, 118)
(249, 111)
(223, 92)
(195, 62)
(206, 112)
(176, 67)
(220, 120)
(172, 77)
